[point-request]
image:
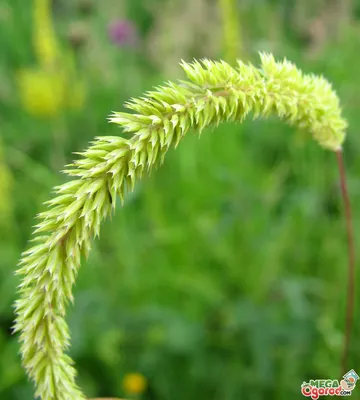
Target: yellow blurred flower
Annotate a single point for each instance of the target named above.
(52, 86)
(42, 92)
(134, 383)
(44, 39)
(46, 93)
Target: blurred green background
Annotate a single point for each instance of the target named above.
(224, 275)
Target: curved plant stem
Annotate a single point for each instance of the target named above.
(351, 265)
(214, 93)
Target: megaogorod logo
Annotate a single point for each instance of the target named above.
(330, 387)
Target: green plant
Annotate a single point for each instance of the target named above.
(215, 92)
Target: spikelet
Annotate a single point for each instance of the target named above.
(214, 92)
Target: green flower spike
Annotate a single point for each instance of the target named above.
(214, 92)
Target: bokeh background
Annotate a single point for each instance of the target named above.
(224, 275)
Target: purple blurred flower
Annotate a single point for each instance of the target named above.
(123, 33)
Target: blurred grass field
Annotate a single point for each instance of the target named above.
(224, 274)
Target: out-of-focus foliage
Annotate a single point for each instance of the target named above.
(223, 277)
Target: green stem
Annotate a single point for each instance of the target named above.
(59, 141)
(351, 265)
(231, 30)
